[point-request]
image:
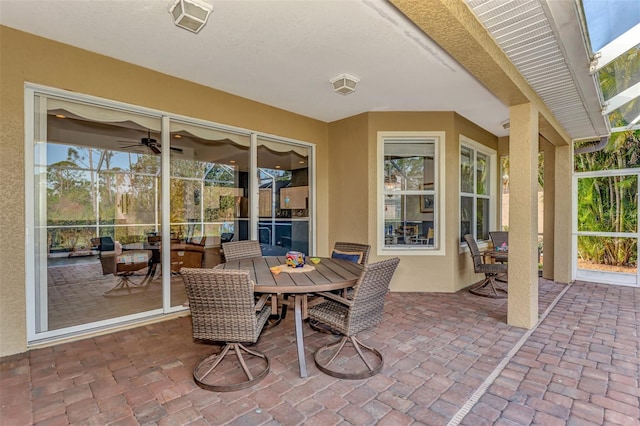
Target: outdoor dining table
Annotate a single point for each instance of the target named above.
(329, 274)
(495, 255)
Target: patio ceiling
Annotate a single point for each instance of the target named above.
(284, 52)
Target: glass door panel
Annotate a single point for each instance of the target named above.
(283, 205)
(209, 195)
(96, 183)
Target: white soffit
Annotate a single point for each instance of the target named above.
(545, 43)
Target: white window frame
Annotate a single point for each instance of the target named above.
(439, 139)
(477, 147)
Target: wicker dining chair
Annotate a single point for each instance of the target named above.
(223, 309)
(344, 250)
(500, 239)
(351, 316)
(488, 286)
(346, 247)
(237, 250)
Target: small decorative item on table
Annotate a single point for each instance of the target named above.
(314, 260)
(295, 259)
(275, 270)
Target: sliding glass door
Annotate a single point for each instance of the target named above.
(121, 198)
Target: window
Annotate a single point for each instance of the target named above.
(477, 165)
(409, 220)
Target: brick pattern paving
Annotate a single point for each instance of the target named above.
(581, 366)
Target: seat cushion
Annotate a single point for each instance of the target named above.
(352, 256)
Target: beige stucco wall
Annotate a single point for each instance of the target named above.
(353, 193)
(26, 58)
(349, 159)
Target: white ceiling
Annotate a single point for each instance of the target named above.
(279, 52)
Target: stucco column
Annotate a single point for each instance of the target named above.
(523, 213)
(564, 213)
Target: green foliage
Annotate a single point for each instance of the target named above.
(610, 203)
(126, 196)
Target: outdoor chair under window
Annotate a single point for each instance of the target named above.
(351, 316)
(500, 241)
(223, 309)
(488, 286)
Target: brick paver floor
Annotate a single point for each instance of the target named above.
(449, 359)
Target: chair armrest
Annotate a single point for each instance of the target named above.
(336, 298)
(261, 302)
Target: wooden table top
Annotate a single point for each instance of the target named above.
(329, 274)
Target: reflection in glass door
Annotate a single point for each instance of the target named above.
(208, 196)
(96, 176)
(283, 197)
(606, 238)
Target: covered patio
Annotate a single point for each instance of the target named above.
(449, 359)
(558, 350)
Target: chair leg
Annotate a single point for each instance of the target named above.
(487, 288)
(361, 349)
(205, 377)
(126, 286)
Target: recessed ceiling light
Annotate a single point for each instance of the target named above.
(61, 116)
(301, 162)
(177, 136)
(232, 161)
(277, 167)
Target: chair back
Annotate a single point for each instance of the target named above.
(226, 237)
(430, 237)
(202, 241)
(475, 252)
(354, 247)
(498, 238)
(238, 250)
(222, 304)
(368, 295)
(103, 243)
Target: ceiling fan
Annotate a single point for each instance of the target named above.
(151, 143)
